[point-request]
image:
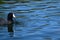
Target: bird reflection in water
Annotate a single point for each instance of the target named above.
(10, 30)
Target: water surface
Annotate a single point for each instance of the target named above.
(39, 20)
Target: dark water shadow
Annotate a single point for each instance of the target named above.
(10, 30)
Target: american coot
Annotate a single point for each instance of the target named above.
(9, 19)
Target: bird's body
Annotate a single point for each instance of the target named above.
(9, 19)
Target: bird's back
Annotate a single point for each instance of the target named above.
(3, 21)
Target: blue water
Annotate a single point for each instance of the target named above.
(39, 20)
